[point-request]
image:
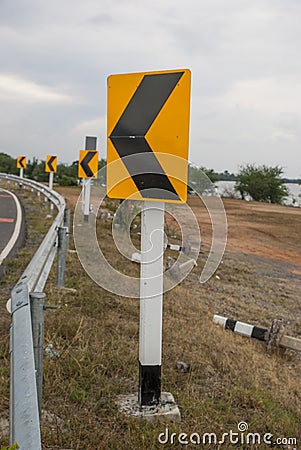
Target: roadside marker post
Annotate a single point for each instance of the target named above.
(262, 334)
(241, 327)
(148, 113)
(87, 169)
(21, 164)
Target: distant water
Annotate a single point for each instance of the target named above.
(226, 189)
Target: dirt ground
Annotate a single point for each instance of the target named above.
(261, 229)
(253, 228)
(271, 231)
(260, 275)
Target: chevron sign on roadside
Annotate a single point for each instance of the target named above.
(148, 130)
(51, 164)
(88, 163)
(21, 162)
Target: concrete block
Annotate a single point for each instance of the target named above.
(167, 410)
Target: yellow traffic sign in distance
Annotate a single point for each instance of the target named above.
(21, 162)
(148, 114)
(88, 163)
(51, 163)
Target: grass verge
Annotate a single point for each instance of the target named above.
(93, 358)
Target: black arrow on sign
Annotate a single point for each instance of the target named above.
(128, 136)
(85, 163)
(21, 161)
(51, 160)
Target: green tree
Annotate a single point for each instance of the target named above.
(67, 175)
(262, 183)
(38, 173)
(225, 176)
(200, 179)
(30, 167)
(8, 164)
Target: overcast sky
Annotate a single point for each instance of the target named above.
(244, 57)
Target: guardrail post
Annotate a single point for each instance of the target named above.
(61, 257)
(37, 302)
(67, 224)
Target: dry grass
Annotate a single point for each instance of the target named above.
(232, 379)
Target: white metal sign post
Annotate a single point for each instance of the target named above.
(51, 187)
(21, 172)
(151, 303)
(51, 181)
(86, 197)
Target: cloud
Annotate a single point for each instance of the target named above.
(95, 126)
(14, 87)
(284, 135)
(244, 57)
(269, 95)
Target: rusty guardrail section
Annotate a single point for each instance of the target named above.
(24, 404)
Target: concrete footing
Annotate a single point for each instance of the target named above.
(167, 410)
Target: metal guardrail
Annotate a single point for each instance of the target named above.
(24, 404)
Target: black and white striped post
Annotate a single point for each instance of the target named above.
(262, 334)
(177, 248)
(241, 327)
(151, 303)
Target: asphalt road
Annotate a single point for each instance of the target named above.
(10, 223)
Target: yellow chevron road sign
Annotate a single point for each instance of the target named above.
(21, 162)
(51, 163)
(147, 136)
(88, 163)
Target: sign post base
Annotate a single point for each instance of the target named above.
(165, 410)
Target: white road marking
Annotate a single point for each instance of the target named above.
(14, 237)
